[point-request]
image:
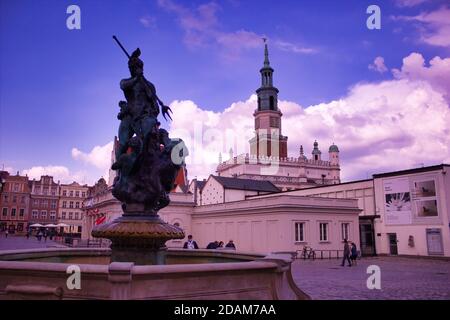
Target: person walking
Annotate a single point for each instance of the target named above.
(190, 244)
(6, 233)
(354, 254)
(28, 234)
(346, 254)
(45, 236)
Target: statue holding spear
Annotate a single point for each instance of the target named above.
(147, 160)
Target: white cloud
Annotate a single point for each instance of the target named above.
(437, 74)
(59, 173)
(202, 29)
(99, 156)
(409, 3)
(384, 126)
(148, 21)
(435, 26)
(378, 65)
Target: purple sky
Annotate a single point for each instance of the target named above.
(369, 91)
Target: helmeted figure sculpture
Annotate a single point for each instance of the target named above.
(147, 161)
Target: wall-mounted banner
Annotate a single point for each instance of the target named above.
(397, 201)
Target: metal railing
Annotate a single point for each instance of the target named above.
(313, 254)
(76, 242)
(319, 254)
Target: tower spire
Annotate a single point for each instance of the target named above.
(266, 54)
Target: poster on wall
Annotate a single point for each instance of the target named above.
(425, 198)
(397, 201)
(424, 189)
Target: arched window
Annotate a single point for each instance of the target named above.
(272, 103)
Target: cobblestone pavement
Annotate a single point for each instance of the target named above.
(401, 278)
(19, 242)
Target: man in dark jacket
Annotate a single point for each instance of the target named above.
(213, 245)
(190, 244)
(346, 254)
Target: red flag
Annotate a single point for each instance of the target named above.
(100, 220)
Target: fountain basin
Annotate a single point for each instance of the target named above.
(188, 274)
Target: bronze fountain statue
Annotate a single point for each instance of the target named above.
(147, 163)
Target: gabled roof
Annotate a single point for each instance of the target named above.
(201, 184)
(246, 184)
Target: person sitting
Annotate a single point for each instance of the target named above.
(230, 245)
(190, 244)
(213, 245)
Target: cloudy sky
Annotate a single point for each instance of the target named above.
(382, 96)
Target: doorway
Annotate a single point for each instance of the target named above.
(367, 237)
(393, 250)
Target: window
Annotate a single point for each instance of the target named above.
(71, 193)
(83, 194)
(53, 191)
(14, 199)
(77, 193)
(71, 204)
(16, 187)
(64, 205)
(299, 231)
(36, 202)
(53, 215)
(63, 215)
(5, 198)
(13, 212)
(37, 190)
(5, 212)
(43, 214)
(272, 103)
(345, 227)
(77, 204)
(44, 203)
(35, 214)
(20, 227)
(21, 212)
(323, 228)
(53, 204)
(45, 191)
(64, 193)
(76, 215)
(70, 215)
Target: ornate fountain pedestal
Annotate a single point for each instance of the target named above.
(138, 238)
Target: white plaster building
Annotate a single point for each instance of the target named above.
(414, 206)
(405, 212)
